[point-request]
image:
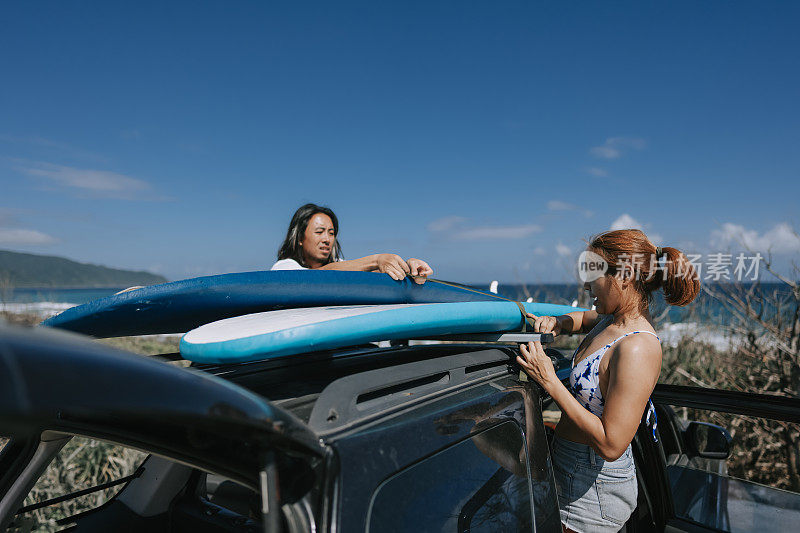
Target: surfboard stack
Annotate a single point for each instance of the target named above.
(251, 316)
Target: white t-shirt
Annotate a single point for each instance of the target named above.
(287, 264)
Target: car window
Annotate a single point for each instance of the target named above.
(479, 484)
(756, 484)
(82, 464)
(3, 442)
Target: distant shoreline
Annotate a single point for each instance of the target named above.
(68, 287)
(481, 285)
(23, 271)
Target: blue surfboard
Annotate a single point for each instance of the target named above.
(278, 333)
(179, 306)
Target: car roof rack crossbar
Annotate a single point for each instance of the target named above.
(360, 397)
(496, 337)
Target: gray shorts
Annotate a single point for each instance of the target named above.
(594, 495)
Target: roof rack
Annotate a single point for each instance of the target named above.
(496, 337)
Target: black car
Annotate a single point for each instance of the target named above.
(434, 437)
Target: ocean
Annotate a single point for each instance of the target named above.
(46, 302)
(704, 309)
(73, 296)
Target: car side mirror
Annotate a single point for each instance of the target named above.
(708, 440)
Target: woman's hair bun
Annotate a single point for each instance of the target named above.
(681, 282)
(664, 268)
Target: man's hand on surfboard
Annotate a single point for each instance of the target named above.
(393, 265)
(420, 270)
(398, 269)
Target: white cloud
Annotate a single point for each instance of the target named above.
(51, 146)
(596, 171)
(606, 152)
(96, 182)
(496, 232)
(540, 250)
(557, 205)
(614, 147)
(456, 228)
(19, 236)
(12, 234)
(625, 221)
(780, 239)
(563, 250)
(445, 223)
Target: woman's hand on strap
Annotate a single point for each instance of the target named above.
(537, 364)
(545, 324)
(420, 270)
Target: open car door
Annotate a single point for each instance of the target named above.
(55, 385)
(696, 491)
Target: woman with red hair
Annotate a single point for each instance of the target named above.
(614, 371)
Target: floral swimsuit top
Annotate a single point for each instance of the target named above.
(584, 380)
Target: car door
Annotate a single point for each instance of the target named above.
(56, 386)
(710, 481)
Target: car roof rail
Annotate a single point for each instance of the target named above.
(494, 338)
(357, 398)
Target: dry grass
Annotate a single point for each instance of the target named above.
(21, 319)
(81, 464)
(145, 345)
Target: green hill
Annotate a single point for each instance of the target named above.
(30, 270)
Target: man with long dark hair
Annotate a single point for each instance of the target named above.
(311, 242)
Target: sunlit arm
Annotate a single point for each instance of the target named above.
(578, 321)
(575, 322)
(363, 264)
(391, 264)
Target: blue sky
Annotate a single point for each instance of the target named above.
(489, 138)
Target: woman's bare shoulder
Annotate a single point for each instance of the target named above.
(638, 348)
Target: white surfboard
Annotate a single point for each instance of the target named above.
(292, 331)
